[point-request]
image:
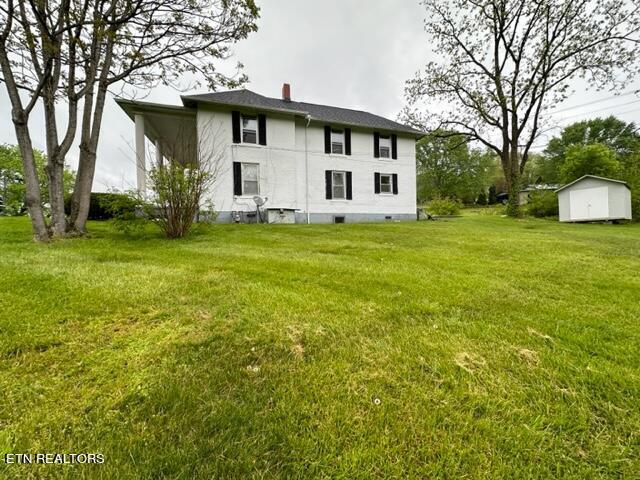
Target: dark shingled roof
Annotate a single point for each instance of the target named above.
(322, 113)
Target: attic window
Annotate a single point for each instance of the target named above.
(249, 129)
(337, 141)
(385, 147)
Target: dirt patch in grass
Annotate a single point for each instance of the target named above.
(530, 357)
(469, 362)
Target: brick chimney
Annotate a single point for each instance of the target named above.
(286, 92)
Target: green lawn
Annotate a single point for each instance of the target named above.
(482, 347)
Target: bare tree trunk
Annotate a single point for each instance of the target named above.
(55, 167)
(20, 118)
(512, 176)
(90, 134)
(86, 167)
(32, 183)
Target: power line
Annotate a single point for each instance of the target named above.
(587, 113)
(595, 101)
(600, 110)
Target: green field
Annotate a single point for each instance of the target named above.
(482, 347)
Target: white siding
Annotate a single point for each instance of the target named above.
(282, 167)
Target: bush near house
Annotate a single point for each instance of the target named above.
(543, 203)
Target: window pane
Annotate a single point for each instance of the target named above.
(338, 178)
(384, 152)
(338, 191)
(336, 148)
(250, 187)
(250, 171)
(249, 136)
(249, 123)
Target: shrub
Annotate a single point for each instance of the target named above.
(444, 206)
(105, 206)
(128, 211)
(543, 203)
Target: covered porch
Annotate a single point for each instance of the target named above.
(171, 130)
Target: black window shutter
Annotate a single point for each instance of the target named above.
(376, 182)
(262, 129)
(349, 193)
(394, 146)
(395, 183)
(235, 121)
(347, 141)
(376, 145)
(328, 184)
(237, 178)
(327, 139)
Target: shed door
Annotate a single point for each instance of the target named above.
(590, 203)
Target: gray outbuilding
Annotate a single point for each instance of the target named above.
(592, 199)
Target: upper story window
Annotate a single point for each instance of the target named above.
(385, 182)
(250, 183)
(338, 185)
(385, 146)
(337, 141)
(249, 129)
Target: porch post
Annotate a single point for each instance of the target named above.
(159, 155)
(141, 171)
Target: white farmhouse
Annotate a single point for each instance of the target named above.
(313, 163)
(591, 198)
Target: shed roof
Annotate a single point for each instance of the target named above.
(323, 113)
(597, 178)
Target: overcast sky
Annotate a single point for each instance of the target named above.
(349, 53)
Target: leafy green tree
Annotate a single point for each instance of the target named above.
(12, 185)
(622, 138)
(594, 159)
(447, 167)
(497, 66)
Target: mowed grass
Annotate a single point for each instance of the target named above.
(481, 347)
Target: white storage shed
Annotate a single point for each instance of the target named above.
(591, 199)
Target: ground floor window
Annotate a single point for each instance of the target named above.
(385, 183)
(338, 182)
(250, 175)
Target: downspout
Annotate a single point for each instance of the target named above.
(306, 168)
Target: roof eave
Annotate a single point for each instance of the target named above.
(593, 176)
(189, 100)
(186, 99)
(131, 107)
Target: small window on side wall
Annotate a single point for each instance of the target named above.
(385, 146)
(338, 182)
(249, 129)
(385, 183)
(337, 141)
(250, 182)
